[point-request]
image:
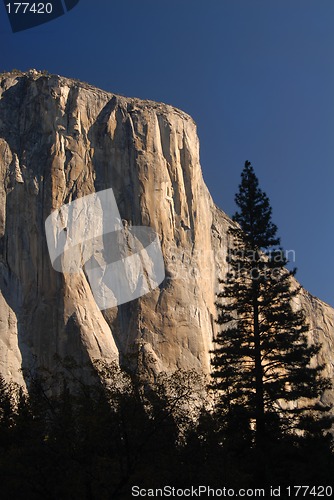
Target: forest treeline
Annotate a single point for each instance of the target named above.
(69, 439)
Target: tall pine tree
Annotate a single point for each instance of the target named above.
(262, 361)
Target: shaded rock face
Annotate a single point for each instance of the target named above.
(61, 140)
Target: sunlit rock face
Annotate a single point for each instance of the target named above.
(61, 140)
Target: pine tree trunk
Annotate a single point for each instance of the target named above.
(259, 393)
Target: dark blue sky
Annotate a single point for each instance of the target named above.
(256, 75)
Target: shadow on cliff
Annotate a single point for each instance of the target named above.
(23, 285)
(36, 299)
(114, 164)
(30, 287)
(12, 99)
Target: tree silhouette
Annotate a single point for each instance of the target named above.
(263, 361)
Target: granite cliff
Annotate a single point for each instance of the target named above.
(61, 140)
